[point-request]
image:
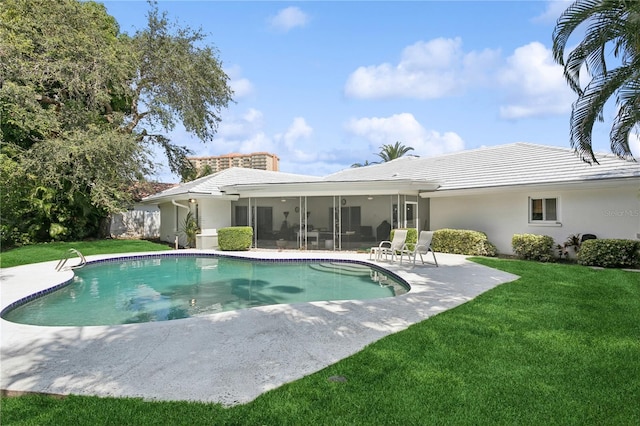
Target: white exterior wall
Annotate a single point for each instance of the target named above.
(612, 212)
(214, 214)
(169, 224)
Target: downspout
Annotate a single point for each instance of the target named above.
(175, 203)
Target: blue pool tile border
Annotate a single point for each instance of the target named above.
(34, 296)
(46, 291)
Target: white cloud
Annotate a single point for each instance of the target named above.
(258, 142)
(427, 70)
(234, 128)
(246, 133)
(554, 9)
(299, 129)
(289, 18)
(534, 84)
(241, 86)
(292, 142)
(406, 129)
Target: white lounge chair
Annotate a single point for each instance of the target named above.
(392, 247)
(423, 246)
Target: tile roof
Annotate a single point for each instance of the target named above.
(140, 190)
(497, 166)
(503, 165)
(210, 185)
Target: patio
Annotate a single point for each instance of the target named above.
(230, 357)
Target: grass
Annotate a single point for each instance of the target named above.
(561, 345)
(54, 251)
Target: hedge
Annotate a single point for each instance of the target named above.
(610, 253)
(235, 238)
(533, 247)
(412, 236)
(462, 241)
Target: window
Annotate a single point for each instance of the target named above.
(543, 209)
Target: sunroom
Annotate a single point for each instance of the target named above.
(328, 215)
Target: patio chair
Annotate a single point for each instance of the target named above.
(392, 247)
(423, 246)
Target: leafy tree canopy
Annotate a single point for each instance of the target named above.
(81, 104)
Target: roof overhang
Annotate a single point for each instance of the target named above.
(159, 198)
(331, 188)
(543, 186)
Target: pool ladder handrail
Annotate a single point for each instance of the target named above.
(63, 262)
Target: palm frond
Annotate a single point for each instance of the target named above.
(588, 108)
(628, 116)
(612, 29)
(578, 12)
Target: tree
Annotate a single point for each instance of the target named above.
(190, 173)
(175, 80)
(391, 152)
(81, 104)
(610, 25)
(387, 153)
(365, 164)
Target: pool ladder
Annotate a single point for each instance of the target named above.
(63, 261)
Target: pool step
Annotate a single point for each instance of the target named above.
(342, 268)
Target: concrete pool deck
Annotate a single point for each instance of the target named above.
(229, 357)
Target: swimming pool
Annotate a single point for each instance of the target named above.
(162, 288)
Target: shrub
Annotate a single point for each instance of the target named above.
(235, 238)
(462, 241)
(412, 236)
(610, 253)
(190, 229)
(533, 247)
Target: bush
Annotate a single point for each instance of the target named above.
(533, 247)
(610, 253)
(462, 241)
(235, 238)
(412, 236)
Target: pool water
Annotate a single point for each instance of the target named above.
(168, 288)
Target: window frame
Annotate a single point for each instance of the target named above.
(544, 221)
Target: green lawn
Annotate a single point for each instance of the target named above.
(54, 251)
(561, 345)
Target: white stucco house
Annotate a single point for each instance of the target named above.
(501, 191)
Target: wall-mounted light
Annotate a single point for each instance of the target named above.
(369, 198)
(284, 200)
(191, 200)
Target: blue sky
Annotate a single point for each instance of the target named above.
(324, 84)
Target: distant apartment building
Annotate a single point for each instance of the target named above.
(256, 160)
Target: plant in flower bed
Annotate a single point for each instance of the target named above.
(462, 241)
(533, 247)
(235, 238)
(610, 253)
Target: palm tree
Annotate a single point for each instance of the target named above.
(391, 152)
(609, 24)
(366, 163)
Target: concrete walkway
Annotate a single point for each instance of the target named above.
(229, 357)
